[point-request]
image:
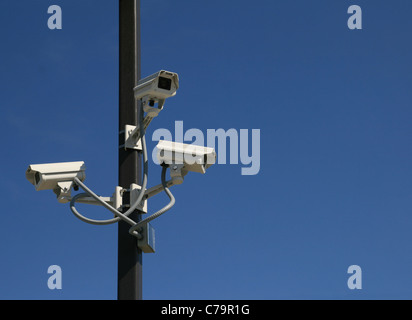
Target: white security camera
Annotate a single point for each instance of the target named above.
(160, 85)
(156, 88)
(183, 157)
(57, 177)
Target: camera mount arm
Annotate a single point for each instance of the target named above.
(132, 133)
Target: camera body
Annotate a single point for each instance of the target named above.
(192, 157)
(57, 177)
(46, 176)
(158, 86)
(155, 89)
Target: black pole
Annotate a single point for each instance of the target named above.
(129, 273)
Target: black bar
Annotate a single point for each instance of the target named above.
(129, 273)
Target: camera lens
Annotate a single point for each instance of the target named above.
(164, 83)
(37, 177)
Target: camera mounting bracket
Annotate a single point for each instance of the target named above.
(120, 199)
(132, 138)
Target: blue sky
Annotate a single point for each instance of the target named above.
(333, 107)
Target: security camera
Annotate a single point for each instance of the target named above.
(156, 88)
(183, 157)
(160, 85)
(57, 177)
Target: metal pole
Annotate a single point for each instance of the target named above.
(129, 273)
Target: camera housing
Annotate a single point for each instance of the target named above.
(159, 86)
(192, 157)
(155, 89)
(56, 176)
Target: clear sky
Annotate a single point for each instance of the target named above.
(333, 106)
